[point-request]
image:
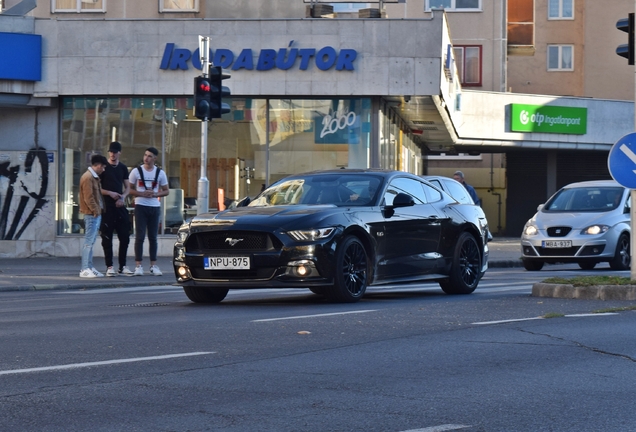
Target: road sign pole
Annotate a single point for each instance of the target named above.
(632, 241)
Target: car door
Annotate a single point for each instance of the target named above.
(411, 234)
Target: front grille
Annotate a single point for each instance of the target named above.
(560, 231)
(223, 240)
(264, 273)
(564, 252)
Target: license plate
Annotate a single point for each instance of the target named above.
(227, 263)
(556, 244)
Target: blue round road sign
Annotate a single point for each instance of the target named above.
(622, 161)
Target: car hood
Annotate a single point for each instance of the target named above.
(267, 216)
(545, 220)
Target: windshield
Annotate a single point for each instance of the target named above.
(337, 189)
(585, 199)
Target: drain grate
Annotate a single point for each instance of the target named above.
(142, 305)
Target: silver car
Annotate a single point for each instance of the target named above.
(584, 223)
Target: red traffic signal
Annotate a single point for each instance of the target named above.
(202, 98)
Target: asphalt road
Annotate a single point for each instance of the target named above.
(402, 359)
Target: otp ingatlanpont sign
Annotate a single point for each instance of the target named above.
(548, 118)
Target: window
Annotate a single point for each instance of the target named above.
(178, 5)
(454, 5)
(520, 23)
(560, 57)
(407, 186)
(468, 62)
(561, 9)
(79, 6)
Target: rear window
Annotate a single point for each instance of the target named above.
(585, 199)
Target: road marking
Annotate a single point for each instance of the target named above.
(507, 321)
(538, 318)
(440, 428)
(101, 363)
(314, 316)
(164, 288)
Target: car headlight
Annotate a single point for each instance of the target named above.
(311, 235)
(530, 230)
(595, 229)
(182, 235)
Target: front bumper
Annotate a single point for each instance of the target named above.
(581, 250)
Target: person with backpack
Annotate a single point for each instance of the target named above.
(148, 183)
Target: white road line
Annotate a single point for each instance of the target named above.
(440, 428)
(507, 321)
(101, 363)
(167, 288)
(538, 318)
(314, 316)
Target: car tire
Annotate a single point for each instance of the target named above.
(532, 265)
(587, 265)
(622, 259)
(465, 270)
(205, 295)
(350, 273)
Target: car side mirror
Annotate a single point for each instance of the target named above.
(403, 200)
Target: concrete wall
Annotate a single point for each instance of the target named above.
(122, 57)
(486, 116)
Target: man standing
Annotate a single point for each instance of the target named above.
(92, 206)
(459, 176)
(115, 189)
(147, 184)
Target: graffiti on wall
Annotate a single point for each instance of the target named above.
(23, 192)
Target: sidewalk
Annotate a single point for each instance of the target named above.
(50, 273)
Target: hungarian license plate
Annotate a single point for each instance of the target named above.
(556, 244)
(227, 263)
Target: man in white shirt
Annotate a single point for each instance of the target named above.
(148, 183)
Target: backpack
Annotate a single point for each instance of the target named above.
(141, 176)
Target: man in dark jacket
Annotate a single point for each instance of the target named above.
(115, 189)
(459, 176)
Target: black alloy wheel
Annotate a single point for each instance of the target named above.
(466, 267)
(351, 270)
(205, 295)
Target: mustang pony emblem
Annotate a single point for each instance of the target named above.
(232, 241)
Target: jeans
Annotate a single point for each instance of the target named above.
(146, 218)
(91, 226)
(115, 220)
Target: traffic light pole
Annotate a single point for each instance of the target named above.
(203, 199)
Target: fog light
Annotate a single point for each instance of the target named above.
(302, 269)
(182, 271)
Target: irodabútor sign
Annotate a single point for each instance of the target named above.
(548, 118)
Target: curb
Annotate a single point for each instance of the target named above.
(78, 286)
(600, 292)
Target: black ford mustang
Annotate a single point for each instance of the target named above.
(335, 232)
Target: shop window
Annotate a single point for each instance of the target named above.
(560, 57)
(79, 6)
(178, 5)
(468, 62)
(560, 9)
(454, 5)
(304, 135)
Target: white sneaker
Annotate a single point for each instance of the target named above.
(139, 271)
(126, 271)
(110, 272)
(97, 273)
(87, 273)
(154, 270)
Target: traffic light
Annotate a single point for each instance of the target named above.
(218, 92)
(627, 50)
(202, 98)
